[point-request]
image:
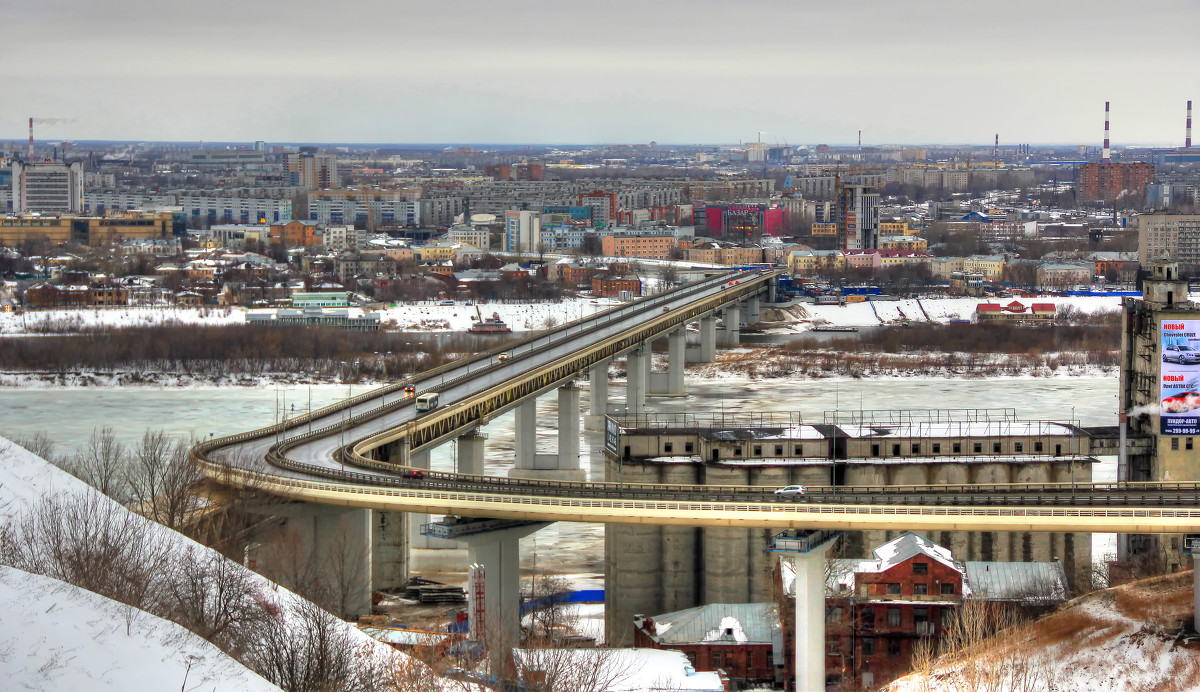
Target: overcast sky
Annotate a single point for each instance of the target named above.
(562, 71)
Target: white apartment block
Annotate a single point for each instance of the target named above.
(349, 211)
(1175, 235)
(237, 209)
(340, 238)
(523, 231)
(47, 187)
(477, 236)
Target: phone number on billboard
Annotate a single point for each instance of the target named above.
(1182, 431)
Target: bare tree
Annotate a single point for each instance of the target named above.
(555, 618)
(162, 480)
(101, 463)
(39, 444)
(572, 670)
(216, 598)
(305, 649)
(92, 542)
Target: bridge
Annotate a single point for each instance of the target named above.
(366, 459)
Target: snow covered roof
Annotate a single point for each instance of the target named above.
(1017, 581)
(714, 623)
(904, 547)
(958, 429)
(635, 670)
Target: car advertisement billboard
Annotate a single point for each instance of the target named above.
(1180, 377)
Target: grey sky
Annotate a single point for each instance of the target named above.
(582, 72)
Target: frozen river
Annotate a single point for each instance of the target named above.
(70, 415)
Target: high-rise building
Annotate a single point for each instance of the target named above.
(47, 187)
(1108, 182)
(309, 169)
(858, 211)
(1173, 236)
(522, 231)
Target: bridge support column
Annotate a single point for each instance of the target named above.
(598, 398)
(733, 318)
(810, 620)
(525, 434)
(495, 569)
(708, 339)
(416, 539)
(470, 453)
(670, 383)
(637, 367)
(389, 550)
(564, 464)
(332, 544)
(752, 310)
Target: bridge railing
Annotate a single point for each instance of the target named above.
(201, 450)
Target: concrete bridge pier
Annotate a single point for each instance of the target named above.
(598, 397)
(752, 310)
(671, 383)
(637, 368)
(562, 465)
(469, 457)
(806, 551)
(333, 546)
(733, 324)
(495, 570)
(416, 539)
(708, 339)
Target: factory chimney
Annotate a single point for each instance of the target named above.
(1187, 137)
(996, 150)
(30, 159)
(1106, 156)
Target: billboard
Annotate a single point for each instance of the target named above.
(1179, 377)
(612, 434)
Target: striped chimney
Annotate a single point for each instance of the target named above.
(1106, 156)
(1187, 139)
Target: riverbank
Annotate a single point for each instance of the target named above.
(754, 364)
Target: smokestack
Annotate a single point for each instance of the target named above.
(1106, 156)
(30, 159)
(996, 150)
(860, 140)
(1187, 138)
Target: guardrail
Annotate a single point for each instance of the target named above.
(201, 450)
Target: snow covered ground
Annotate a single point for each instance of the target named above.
(57, 636)
(1123, 638)
(880, 312)
(429, 316)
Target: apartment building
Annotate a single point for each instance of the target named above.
(55, 188)
(1176, 236)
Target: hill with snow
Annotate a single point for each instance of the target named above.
(1129, 637)
(54, 635)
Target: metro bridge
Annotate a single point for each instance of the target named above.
(380, 435)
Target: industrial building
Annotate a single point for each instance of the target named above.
(1159, 404)
(87, 230)
(668, 568)
(49, 187)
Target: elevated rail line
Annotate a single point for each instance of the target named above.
(305, 458)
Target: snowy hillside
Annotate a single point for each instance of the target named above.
(57, 636)
(90, 642)
(1123, 638)
(875, 313)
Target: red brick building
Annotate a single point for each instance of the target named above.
(1106, 182)
(740, 639)
(878, 610)
(611, 285)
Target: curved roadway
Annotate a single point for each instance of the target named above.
(290, 461)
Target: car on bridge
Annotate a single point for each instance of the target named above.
(792, 491)
(1180, 353)
(413, 473)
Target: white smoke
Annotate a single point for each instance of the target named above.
(1145, 409)
(53, 121)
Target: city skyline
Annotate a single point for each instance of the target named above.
(535, 72)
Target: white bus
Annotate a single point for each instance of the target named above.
(427, 401)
